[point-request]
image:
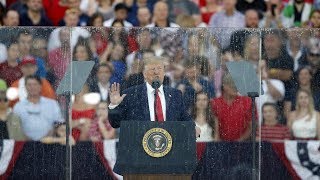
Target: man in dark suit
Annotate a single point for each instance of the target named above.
(138, 103)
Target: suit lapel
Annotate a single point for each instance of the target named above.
(144, 100)
(168, 96)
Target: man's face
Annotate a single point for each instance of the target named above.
(314, 59)
(229, 4)
(154, 72)
(252, 19)
(12, 18)
(161, 11)
(25, 42)
(34, 5)
(33, 87)
(29, 69)
(39, 48)
(71, 19)
(143, 15)
(13, 52)
(121, 14)
(103, 74)
(272, 45)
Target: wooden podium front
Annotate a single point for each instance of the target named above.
(157, 176)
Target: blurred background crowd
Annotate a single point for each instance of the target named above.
(196, 39)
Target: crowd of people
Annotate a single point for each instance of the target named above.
(195, 38)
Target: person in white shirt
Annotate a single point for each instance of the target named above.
(161, 15)
(121, 13)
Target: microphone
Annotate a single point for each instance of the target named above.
(155, 85)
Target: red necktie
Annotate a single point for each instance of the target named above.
(159, 115)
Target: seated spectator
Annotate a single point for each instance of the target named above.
(133, 13)
(11, 18)
(10, 70)
(100, 127)
(233, 113)
(296, 49)
(304, 81)
(229, 17)
(304, 122)
(176, 75)
(82, 52)
(71, 19)
(313, 58)
(83, 18)
(185, 21)
(118, 34)
(239, 37)
(121, 14)
(210, 8)
(194, 83)
(28, 67)
(82, 115)
(39, 48)
(38, 114)
(34, 16)
(105, 7)
(271, 129)
(161, 16)
(280, 65)
(314, 20)
(144, 42)
(177, 7)
(143, 17)
(25, 39)
(295, 13)
(251, 50)
(117, 58)
(102, 85)
(96, 20)
(272, 18)
(203, 118)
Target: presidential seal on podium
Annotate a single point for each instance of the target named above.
(157, 142)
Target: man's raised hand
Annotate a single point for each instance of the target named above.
(115, 98)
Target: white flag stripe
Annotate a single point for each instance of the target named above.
(292, 155)
(109, 151)
(6, 155)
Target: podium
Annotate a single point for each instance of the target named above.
(156, 150)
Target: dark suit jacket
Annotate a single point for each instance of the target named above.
(135, 107)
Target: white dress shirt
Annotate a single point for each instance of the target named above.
(150, 92)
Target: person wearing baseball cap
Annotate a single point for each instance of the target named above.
(29, 67)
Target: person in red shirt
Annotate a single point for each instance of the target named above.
(233, 113)
(10, 70)
(271, 129)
